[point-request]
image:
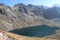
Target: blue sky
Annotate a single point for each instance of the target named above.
(35, 2)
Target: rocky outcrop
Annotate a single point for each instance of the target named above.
(16, 17)
(52, 13)
(21, 15)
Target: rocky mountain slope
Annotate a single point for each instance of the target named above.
(21, 15)
(4, 35)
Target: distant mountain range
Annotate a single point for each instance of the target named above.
(21, 15)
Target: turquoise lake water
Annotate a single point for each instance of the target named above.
(36, 31)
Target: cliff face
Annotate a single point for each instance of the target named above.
(21, 15)
(16, 17)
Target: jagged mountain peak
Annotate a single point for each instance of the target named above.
(22, 15)
(4, 5)
(20, 4)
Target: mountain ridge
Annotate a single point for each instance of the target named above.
(21, 15)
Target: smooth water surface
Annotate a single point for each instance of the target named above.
(37, 31)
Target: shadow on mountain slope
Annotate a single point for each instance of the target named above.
(37, 31)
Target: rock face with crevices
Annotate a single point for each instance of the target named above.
(16, 17)
(21, 16)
